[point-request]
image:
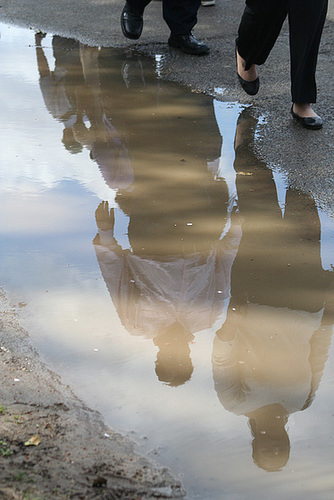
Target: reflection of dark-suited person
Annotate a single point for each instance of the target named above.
(71, 94)
(59, 86)
(180, 16)
(269, 355)
(101, 137)
(175, 279)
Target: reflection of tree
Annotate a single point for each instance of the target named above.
(269, 355)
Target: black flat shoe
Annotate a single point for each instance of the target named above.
(189, 44)
(251, 88)
(310, 122)
(131, 23)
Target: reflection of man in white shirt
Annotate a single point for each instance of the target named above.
(167, 298)
(173, 278)
(267, 363)
(269, 355)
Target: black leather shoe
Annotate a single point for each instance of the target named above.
(131, 23)
(188, 43)
(311, 122)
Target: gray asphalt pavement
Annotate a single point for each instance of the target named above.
(307, 157)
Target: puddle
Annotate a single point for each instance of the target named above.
(172, 278)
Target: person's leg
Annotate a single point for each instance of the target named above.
(259, 28)
(306, 21)
(181, 17)
(138, 5)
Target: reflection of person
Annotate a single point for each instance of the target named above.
(103, 140)
(269, 355)
(180, 17)
(170, 288)
(58, 86)
(72, 95)
(173, 277)
(258, 31)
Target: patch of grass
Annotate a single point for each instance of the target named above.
(3, 410)
(31, 496)
(22, 476)
(5, 451)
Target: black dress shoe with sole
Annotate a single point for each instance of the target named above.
(131, 23)
(189, 44)
(310, 122)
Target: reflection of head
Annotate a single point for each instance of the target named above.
(173, 365)
(271, 444)
(69, 141)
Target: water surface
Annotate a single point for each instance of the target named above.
(178, 283)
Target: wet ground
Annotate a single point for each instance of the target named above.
(177, 281)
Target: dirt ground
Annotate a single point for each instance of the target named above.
(51, 445)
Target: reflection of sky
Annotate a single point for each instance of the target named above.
(226, 116)
(48, 200)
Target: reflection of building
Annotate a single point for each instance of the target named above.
(269, 355)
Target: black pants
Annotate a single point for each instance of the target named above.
(260, 26)
(180, 15)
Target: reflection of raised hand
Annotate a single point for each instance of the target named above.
(104, 217)
(39, 37)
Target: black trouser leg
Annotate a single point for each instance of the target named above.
(259, 28)
(138, 6)
(180, 15)
(306, 22)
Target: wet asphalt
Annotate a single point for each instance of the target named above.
(306, 157)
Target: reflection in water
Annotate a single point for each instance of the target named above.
(269, 355)
(198, 254)
(59, 87)
(174, 280)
